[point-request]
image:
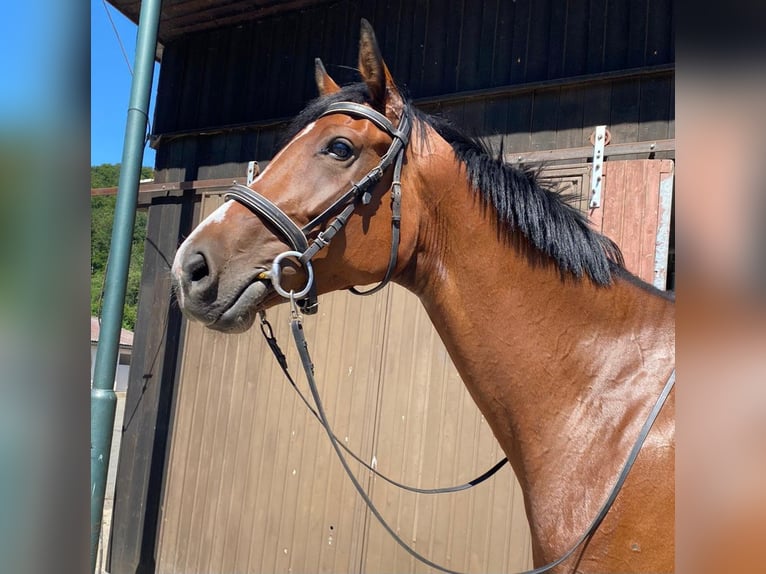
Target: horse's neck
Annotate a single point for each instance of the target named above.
(558, 368)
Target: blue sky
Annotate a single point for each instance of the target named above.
(110, 84)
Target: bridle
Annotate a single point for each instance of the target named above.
(360, 193)
(303, 250)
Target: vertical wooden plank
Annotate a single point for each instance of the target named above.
(234, 163)
(415, 67)
(168, 87)
(473, 117)
(210, 74)
(267, 141)
(557, 34)
(487, 48)
(317, 23)
(249, 147)
(392, 10)
(632, 214)
(519, 119)
(502, 58)
(495, 122)
(225, 85)
(538, 38)
(596, 109)
(281, 97)
(169, 161)
(454, 112)
(617, 30)
(660, 48)
(654, 113)
(520, 49)
(625, 109)
(611, 200)
(672, 110)
(353, 15)
(213, 152)
(377, 13)
(301, 63)
(638, 13)
(543, 135)
(188, 100)
(239, 424)
(596, 36)
(258, 72)
(203, 147)
(405, 45)
(569, 118)
(238, 72)
(222, 439)
(576, 42)
(149, 400)
(438, 51)
(338, 36)
(443, 53)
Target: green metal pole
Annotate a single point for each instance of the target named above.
(103, 399)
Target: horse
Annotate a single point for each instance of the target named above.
(561, 348)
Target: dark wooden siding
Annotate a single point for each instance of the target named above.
(236, 85)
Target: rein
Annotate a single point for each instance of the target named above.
(339, 212)
(301, 345)
(271, 340)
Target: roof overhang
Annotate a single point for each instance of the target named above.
(182, 17)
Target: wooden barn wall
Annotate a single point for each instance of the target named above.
(223, 95)
(253, 484)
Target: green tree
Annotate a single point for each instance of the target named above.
(102, 218)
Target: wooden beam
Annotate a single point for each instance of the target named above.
(613, 150)
(148, 191)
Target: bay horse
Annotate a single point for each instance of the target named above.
(562, 349)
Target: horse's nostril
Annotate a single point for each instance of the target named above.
(196, 267)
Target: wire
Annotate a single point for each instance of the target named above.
(127, 62)
(117, 34)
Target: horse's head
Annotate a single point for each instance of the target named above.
(315, 219)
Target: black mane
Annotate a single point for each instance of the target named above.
(552, 226)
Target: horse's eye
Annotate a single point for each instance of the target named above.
(340, 149)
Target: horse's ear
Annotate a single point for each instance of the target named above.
(374, 70)
(325, 84)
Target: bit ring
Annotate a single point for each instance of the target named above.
(276, 275)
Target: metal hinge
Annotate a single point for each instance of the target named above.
(599, 140)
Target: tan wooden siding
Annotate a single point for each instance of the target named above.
(253, 484)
